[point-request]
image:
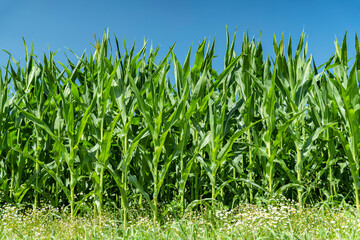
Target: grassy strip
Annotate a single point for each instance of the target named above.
(277, 219)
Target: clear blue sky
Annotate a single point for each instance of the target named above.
(72, 24)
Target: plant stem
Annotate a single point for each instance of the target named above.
(250, 167)
(299, 191)
(155, 193)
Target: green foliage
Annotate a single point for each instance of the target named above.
(116, 130)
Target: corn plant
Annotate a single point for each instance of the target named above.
(121, 130)
(347, 98)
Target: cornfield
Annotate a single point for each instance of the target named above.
(113, 129)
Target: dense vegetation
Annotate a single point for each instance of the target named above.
(112, 128)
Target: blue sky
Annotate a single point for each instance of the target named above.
(72, 24)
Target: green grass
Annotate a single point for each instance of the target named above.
(278, 219)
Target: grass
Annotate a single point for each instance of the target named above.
(277, 219)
